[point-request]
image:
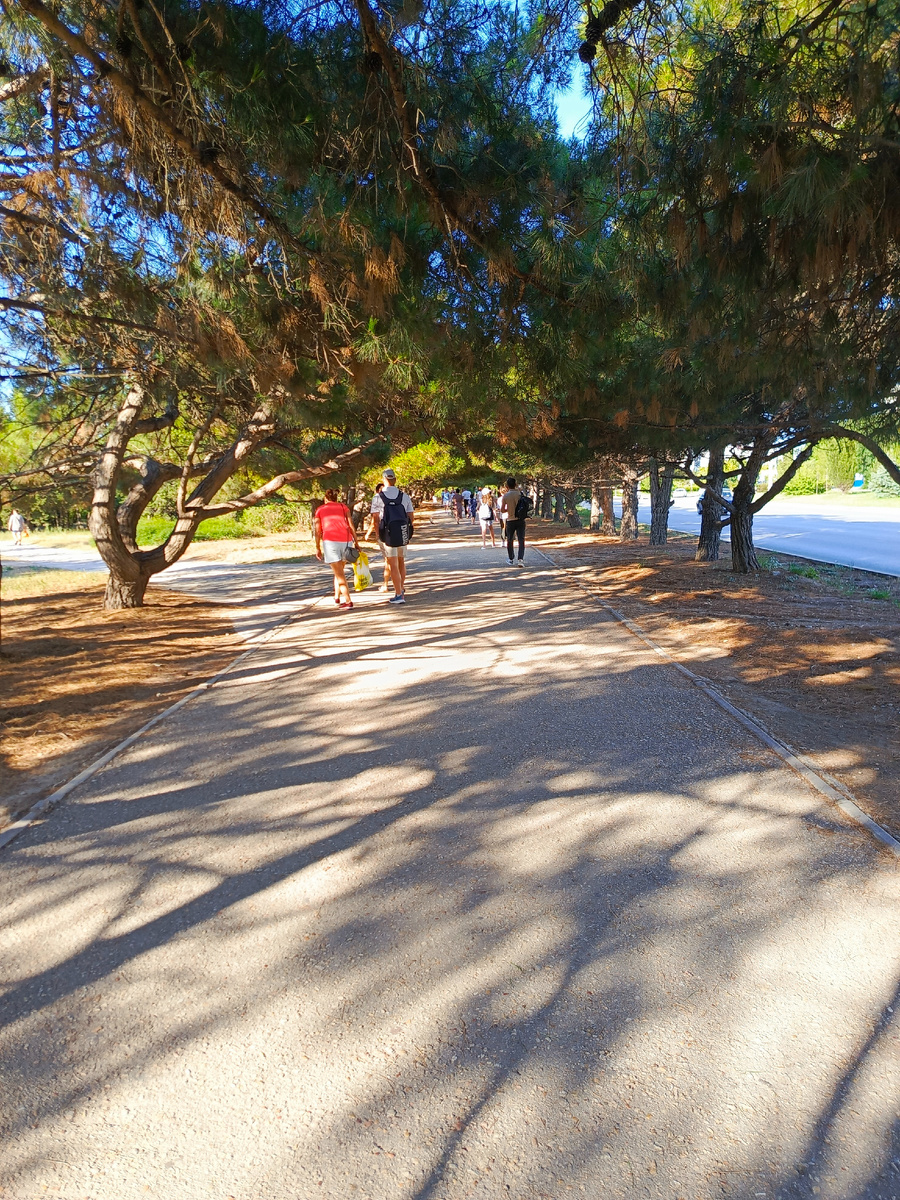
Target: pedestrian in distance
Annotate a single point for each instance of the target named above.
(486, 516)
(456, 503)
(501, 515)
(17, 526)
(466, 497)
(474, 505)
(394, 510)
(517, 507)
(334, 533)
(372, 533)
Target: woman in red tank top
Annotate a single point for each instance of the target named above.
(334, 533)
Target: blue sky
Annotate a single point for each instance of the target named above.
(573, 108)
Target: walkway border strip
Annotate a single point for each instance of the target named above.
(830, 788)
(48, 802)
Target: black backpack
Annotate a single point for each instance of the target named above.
(524, 507)
(394, 526)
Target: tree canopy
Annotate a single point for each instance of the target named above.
(293, 233)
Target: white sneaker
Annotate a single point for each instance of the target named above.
(520, 563)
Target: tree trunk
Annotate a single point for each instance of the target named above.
(596, 510)
(660, 501)
(609, 513)
(743, 552)
(743, 555)
(559, 507)
(710, 510)
(628, 530)
(124, 593)
(547, 503)
(572, 514)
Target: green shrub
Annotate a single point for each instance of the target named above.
(881, 483)
(248, 523)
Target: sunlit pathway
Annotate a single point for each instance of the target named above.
(473, 898)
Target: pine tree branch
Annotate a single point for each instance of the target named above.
(23, 84)
(781, 483)
(839, 431)
(275, 485)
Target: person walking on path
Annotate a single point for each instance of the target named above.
(334, 533)
(514, 506)
(456, 503)
(466, 497)
(372, 534)
(394, 510)
(17, 526)
(486, 516)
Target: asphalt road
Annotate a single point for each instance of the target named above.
(867, 538)
(471, 898)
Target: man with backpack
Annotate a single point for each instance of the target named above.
(393, 509)
(516, 508)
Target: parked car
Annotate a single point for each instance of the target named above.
(679, 492)
(726, 494)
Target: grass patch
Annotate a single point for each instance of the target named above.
(880, 594)
(24, 583)
(804, 570)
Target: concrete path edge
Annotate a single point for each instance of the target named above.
(48, 802)
(834, 791)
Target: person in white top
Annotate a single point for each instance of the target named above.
(394, 556)
(17, 525)
(467, 496)
(487, 515)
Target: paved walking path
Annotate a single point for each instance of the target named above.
(473, 898)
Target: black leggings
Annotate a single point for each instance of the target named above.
(515, 529)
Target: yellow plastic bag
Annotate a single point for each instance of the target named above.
(362, 576)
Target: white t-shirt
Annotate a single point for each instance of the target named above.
(392, 493)
(16, 523)
(467, 495)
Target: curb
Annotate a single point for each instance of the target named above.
(832, 790)
(48, 802)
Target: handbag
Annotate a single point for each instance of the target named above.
(350, 553)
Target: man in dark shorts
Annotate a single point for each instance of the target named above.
(515, 526)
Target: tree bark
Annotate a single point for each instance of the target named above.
(559, 507)
(596, 510)
(125, 593)
(628, 530)
(547, 503)
(743, 554)
(711, 511)
(660, 501)
(572, 514)
(609, 512)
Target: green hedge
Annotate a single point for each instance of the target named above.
(249, 523)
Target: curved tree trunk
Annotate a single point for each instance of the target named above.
(559, 507)
(711, 511)
(660, 501)
(628, 530)
(743, 552)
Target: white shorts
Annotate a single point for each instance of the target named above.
(333, 552)
(392, 551)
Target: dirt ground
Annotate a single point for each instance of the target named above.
(74, 680)
(811, 651)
